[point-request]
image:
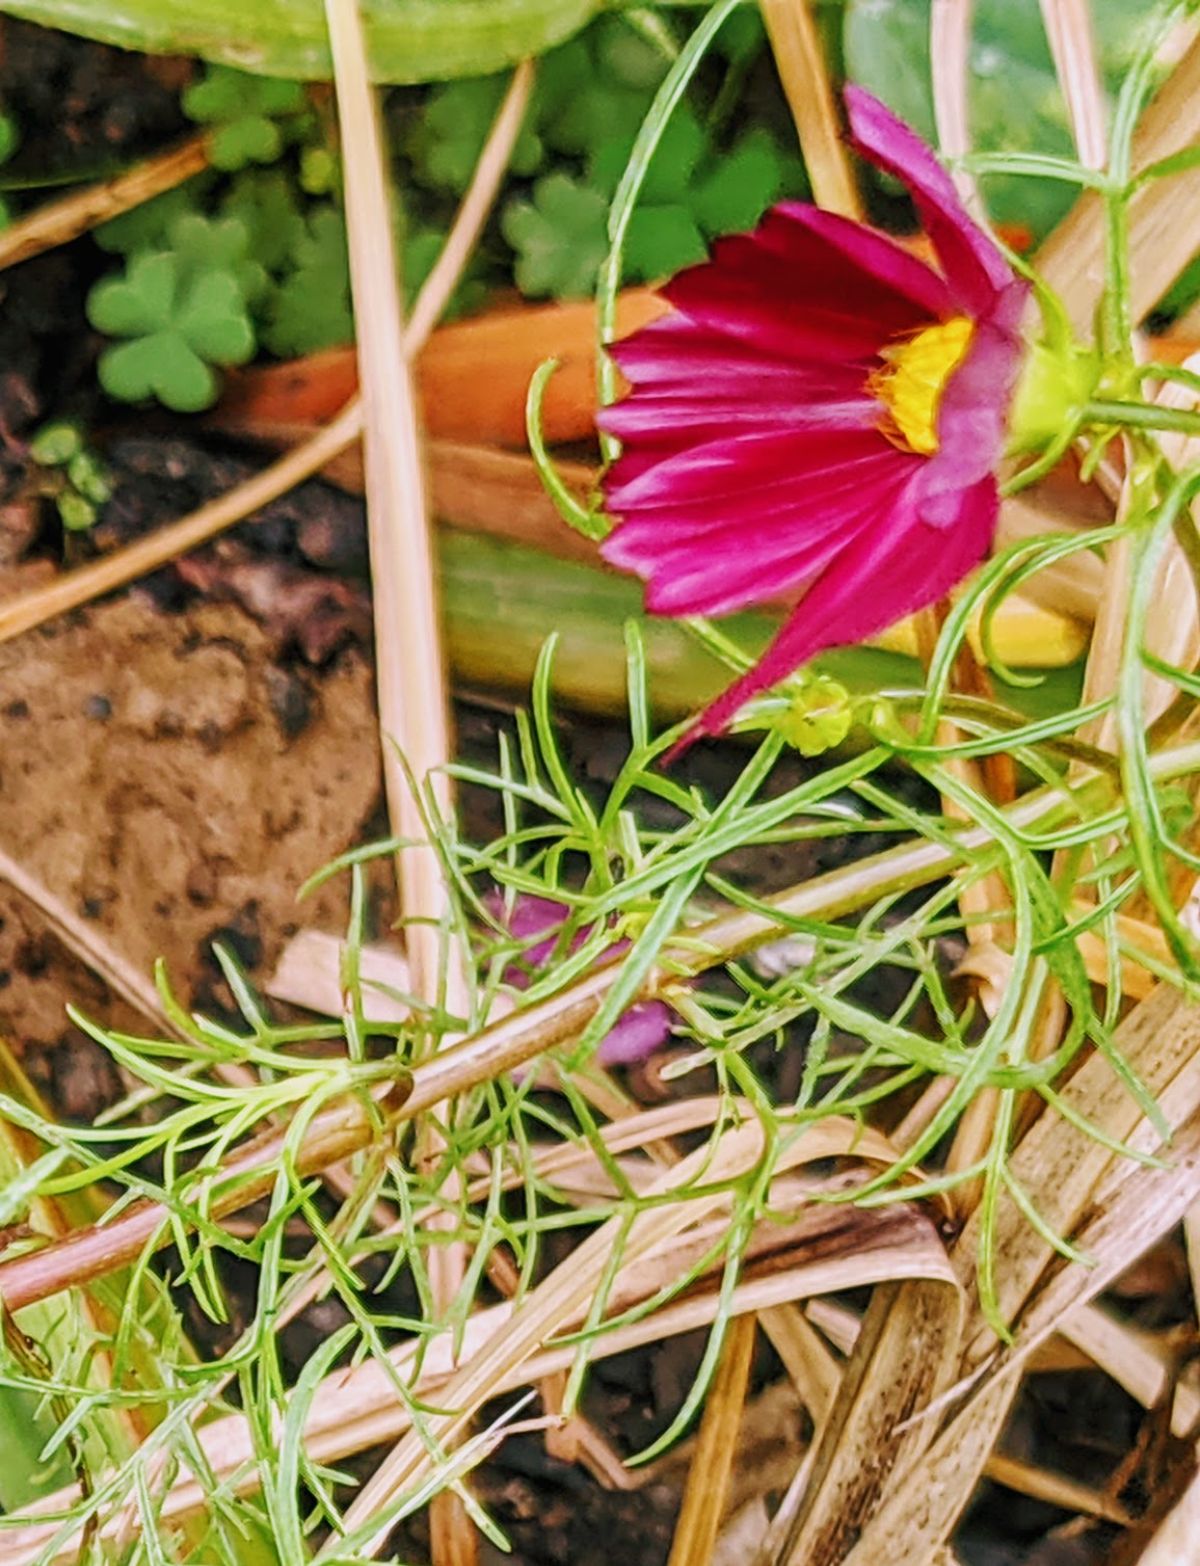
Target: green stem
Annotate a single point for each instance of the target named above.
(1146, 416)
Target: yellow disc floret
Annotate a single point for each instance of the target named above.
(911, 384)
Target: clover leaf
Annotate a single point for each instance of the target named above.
(690, 195)
(662, 240)
(421, 248)
(741, 35)
(242, 110)
(177, 324)
(56, 443)
(446, 142)
(560, 237)
(311, 309)
(675, 160)
(577, 103)
(146, 227)
(264, 202)
(626, 55)
(81, 486)
(218, 244)
(737, 188)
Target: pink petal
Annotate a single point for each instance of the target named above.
(645, 1027)
(715, 554)
(869, 252)
(973, 416)
(674, 353)
(975, 269)
(787, 291)
(903, 566)
(732, 469)
(691, 419)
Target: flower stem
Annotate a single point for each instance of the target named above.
(1144, 416)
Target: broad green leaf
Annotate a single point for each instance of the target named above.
(1015, 102)
(410, 40)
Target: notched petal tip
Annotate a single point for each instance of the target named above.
(975, 268)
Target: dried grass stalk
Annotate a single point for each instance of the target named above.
(707, 1485)
(796, 44)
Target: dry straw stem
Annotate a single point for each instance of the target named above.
(564, 1296)
(1072, 40)
(1174, 632)
(796, 44)
(707, 1485)
(949, 58)
(1174, 1540)
(1137, 1361)
(409, 664)
(58, 222)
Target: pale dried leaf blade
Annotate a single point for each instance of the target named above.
(904, 1359)
(1072, 39)
(1071, 260)
(1136, 1360)
(1111, 1208)
(1174, 1541)
(309, 974)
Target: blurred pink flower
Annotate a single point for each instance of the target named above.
(819, 416)
(641, 1030)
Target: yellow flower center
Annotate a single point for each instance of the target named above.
(911, 384)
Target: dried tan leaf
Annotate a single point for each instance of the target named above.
(1112, 1210)
(309, 974)
(1174, 1541)
(1073, 46)
(903, 1360)
(1072, 259)
(1135, 1360)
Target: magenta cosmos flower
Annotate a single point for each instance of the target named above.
(819, 417)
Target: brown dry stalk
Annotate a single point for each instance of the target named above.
(871, 1516)
(1111, 1208)
(413, 713)
(409, 663)
(796, 44)
(58, 222)
(564, 1295)
(707, 1484)
(357, 1409)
